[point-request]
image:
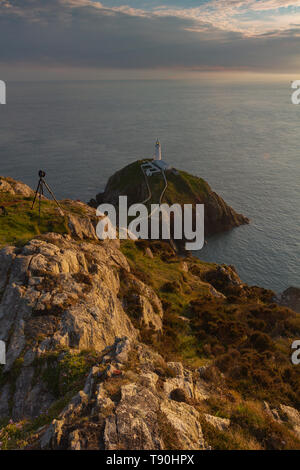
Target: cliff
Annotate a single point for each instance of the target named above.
(182, 188)
(129, 346)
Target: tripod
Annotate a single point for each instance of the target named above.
(40, 192)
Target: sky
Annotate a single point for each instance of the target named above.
(86, 39)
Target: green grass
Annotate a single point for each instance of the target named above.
(21, 224)
(131, 173)
(251, 428)
(183, 188)
(19, 435)
(160, 272)
(176, 289)
(64, 372)
(248, 337)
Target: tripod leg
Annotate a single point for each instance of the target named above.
(50, 191)
(36, 193)
(40, 199)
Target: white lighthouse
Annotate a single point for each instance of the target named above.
(157, 165)
(157, 150)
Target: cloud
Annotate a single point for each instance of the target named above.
(250, 17)
(216, 35)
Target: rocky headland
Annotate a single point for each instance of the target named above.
(127, 345)
(182, 188)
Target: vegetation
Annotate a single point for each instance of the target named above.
(64, 374)
(182, 187)
(21, 224)
(210, 319)
(176, 289)
(244, 334)
(63, 371)
(251, 427)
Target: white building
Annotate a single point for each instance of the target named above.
(157, 164)
(157, 150)
(157, 160)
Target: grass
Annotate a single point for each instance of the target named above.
(64, 372)
(244, 338)
(159, 272)
(128, 174)
(178, 340)
(22, 224)
(246, 335)
(251, 428)
(183, 188)
(64, 375)
(255, 362)
(21, 434)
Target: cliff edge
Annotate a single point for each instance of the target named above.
(127, 345)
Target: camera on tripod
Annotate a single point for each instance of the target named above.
(40, 193)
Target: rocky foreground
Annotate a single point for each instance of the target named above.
(129, 346)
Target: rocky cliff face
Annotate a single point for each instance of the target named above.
(126, 404)
(132, 399)
(129, 346)
(57, 293)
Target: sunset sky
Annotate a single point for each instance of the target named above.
(153, 38)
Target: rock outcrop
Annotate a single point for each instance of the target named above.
(141, 302)
(59, 293)
(285, 414)
(75, 286)
(130, 346)
(291, 298)
(221, 424)
(13, 187)
(125, 405)
(182, 188)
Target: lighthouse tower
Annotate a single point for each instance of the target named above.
(157, 150)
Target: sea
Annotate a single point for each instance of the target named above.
(242, 138)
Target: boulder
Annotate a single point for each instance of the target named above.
(221, 424)
(8, 185)
(185, 421)
(291, 298)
